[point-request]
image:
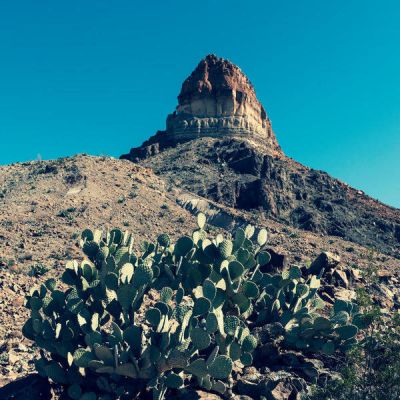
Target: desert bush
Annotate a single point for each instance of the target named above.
(171, 316)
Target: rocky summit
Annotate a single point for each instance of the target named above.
(216, 100)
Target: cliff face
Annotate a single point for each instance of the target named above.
(216, 100)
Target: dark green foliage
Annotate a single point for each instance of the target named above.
(101, 334)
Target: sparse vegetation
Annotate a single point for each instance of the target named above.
(370, 371)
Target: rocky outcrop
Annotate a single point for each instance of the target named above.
(216, 100)
(236, 174)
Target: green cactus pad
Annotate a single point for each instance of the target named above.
(342, 305)
(209, 289)
(250, 289)
(179, 295)
(88, 396)
(104, 354)
(219, 387)
(341, 318)
(201, 306)
(164, 240)
(126, 273)
(231, 324)
(122, 255)
(211, 323)
(183, 246)
(322, 323)
(262, 237)
(111, 281)
(125, 295)
(221, 368)
(82, 358)
(347, 331)
(174, 381)
(236, 270)
(200, 338)
(87, 235)
(239, 239)
(249, 343)
(302, 290)
(166, 294)
(91, 249)
(177, 359)
(74, 391)
(127, 369)
(198, 368)
(116, 236)
(143, 275)
(56, 373)
(163, 307)
(225, 248)
(153, 316)
(201, 220)
(242, 255)
(249, 231)
(246, 359)
(235, 351)
(295, 272)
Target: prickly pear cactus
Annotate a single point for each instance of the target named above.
(100, 338)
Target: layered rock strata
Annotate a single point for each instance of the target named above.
(216, 100)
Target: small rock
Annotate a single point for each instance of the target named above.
(341, 278)
(345, 294)
(22, 347)
(355, 274)
(281, 391)
(12, 358)
(326, 261)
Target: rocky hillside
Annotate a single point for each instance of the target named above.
(236, 173)
(44, 206)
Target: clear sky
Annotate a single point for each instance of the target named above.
(101, 76)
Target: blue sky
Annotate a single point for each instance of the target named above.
(100, 77)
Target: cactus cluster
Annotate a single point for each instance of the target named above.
(101, 339)
(293, 301)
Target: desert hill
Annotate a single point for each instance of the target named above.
(219, 156)
(44, 206)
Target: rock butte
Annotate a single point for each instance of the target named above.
(216, 100)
